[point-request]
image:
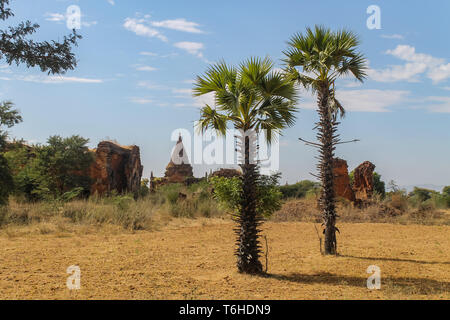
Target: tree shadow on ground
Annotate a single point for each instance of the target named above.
(403, 285)
(393, 259)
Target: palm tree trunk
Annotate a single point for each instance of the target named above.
(248, 246)
(327, 138)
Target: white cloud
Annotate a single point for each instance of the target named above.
(416, 64)
(439, 104)
(145, 27)
(349, 83)
(408, 72)
(393, 36)
(194, 102)
(139, 28)
(58, 79)
(145, 68)
(4, 68)
(88, 24)
(440, 73)
(408, 53)
(59, 17)
(149, 54)
(371, 100)
(183, 105)
(111, 2)
(206, 99)
(186, 92)
(194, 48)
(151, 86)
(365, 100)
(179, 25)
(55, 17)
(141, 100)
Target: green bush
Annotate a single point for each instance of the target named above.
(421, 194)
(378, 185)
(300, 189)
(228, 192)
(446, 196)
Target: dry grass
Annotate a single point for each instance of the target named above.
(163, 248)
(306, 210)
(193, 259)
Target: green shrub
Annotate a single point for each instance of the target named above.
(378, 185)
(228, 192)
(421, 194)
(300, 189)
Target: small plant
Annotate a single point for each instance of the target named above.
(228, 192)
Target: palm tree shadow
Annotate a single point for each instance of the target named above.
(406, 285)
(393, 259)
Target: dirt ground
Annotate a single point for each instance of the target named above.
(197, 262)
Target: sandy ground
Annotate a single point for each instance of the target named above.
(197, 262)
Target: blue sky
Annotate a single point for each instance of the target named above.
(137, 61)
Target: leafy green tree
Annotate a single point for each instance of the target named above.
(446, 195)
(322, 57)
(64, 163)
(6, 181)
(378, 185)
(54, 57)
(27, 178)
(8, 118)
(421, 194)
(252, 97)
(446, 191)
(59, 169)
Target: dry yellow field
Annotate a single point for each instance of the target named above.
(196, 262)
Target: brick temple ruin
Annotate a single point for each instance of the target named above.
(115, 168)
(361, 190)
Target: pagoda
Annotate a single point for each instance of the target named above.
(179, 169)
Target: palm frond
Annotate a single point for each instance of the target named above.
(211, 119)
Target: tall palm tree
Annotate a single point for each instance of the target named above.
(252, 97)
(316, 60)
